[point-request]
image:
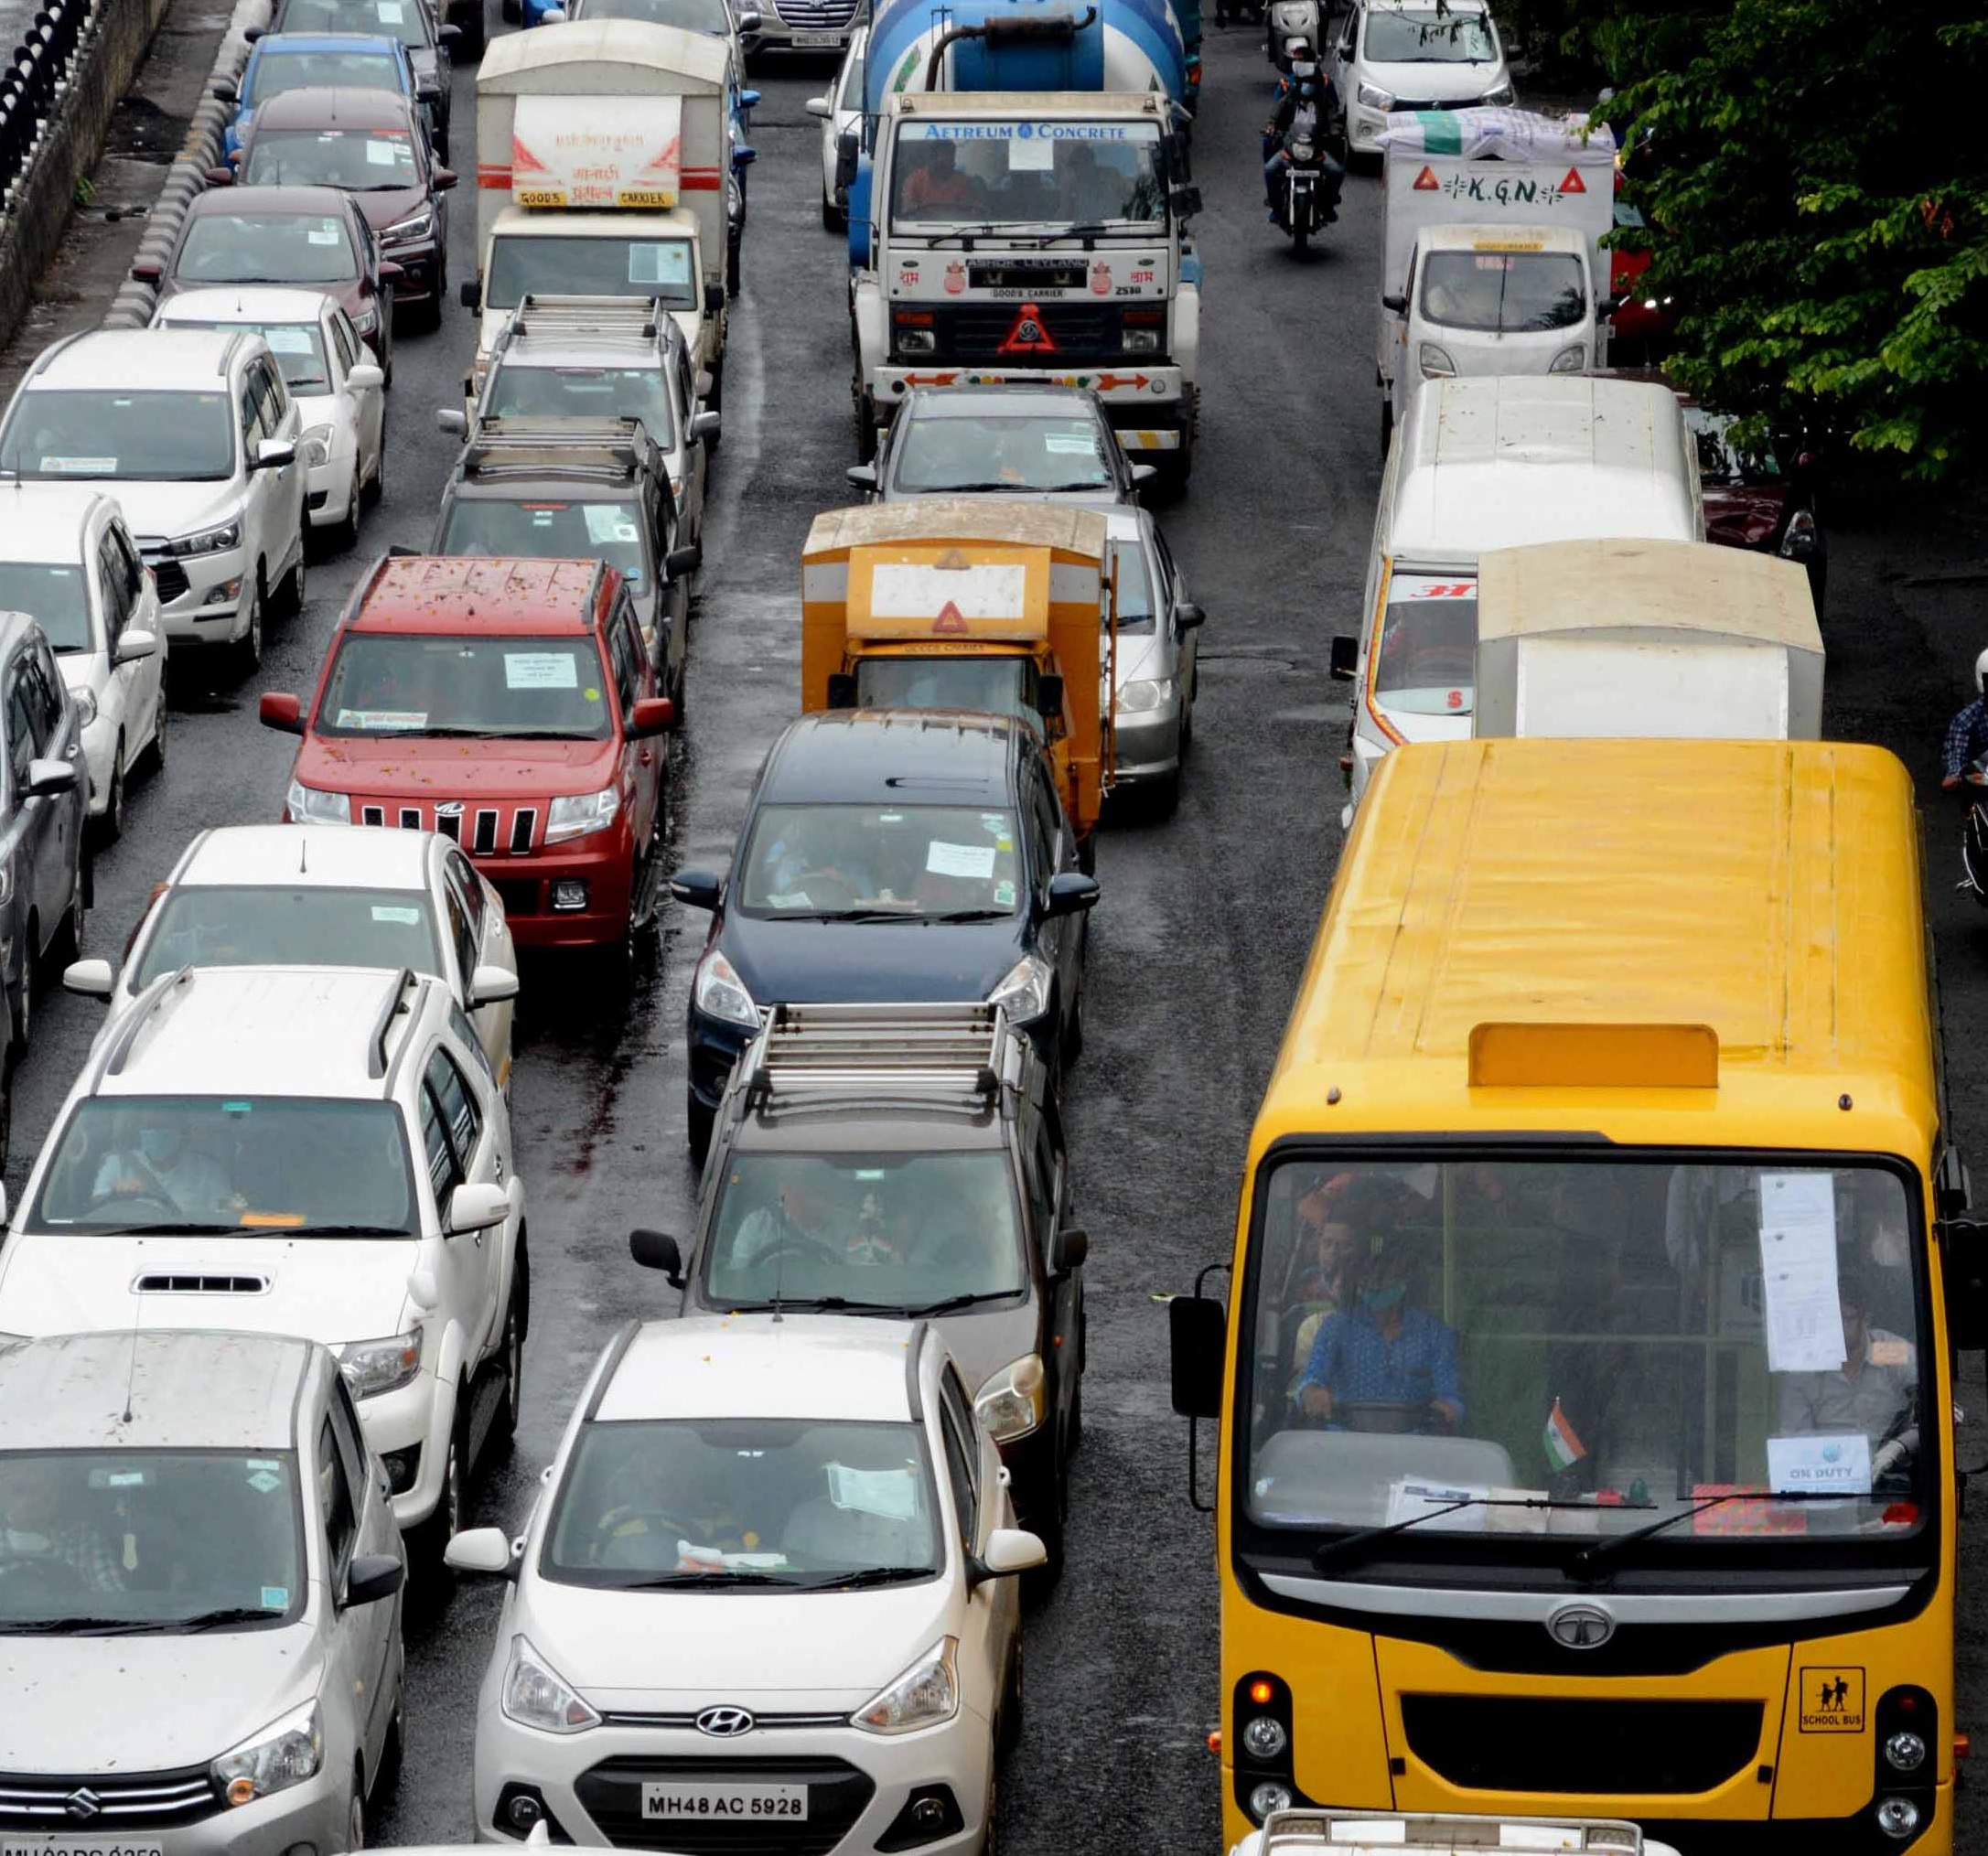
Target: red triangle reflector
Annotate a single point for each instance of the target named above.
(1028, 336)
(1426, 182)
(950, 622)
(1574, 183)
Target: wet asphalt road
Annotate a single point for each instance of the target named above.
(1195, 951)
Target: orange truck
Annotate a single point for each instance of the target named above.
(969, 602)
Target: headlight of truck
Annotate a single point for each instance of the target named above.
(926, 1694)
(1024, 990)
(283, 1755)
(1013, 1401)
(1374, 97)
(576, 815)
(1434, 362)
(313, 806)
(318, 441)
(214, 540)
(1146, 693)
(721, 993)
(373, 1367)
(1142, 341)
(536, 1695)
(1569, 360)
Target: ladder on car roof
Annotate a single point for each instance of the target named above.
(935, 1055)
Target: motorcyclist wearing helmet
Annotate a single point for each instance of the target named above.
(1967, 733)
(1308, 88)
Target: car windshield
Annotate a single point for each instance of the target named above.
(1427, 657)
(991, 685)
(1681, 1340)
(544, 530)
(707, 16)
(745, 1502)
(1436, 38)
(96, 1542)
(56, 598)
(1722, 463)
(405, 20)
(245, 924)
(580, 392)
(265, 248)
(545, 266)
(299, 348)
(290, 1166)
(1136, 609)
(145, 436)
(1055, 174)
(278, 71)
(898, 1230)
(834, 859)
(510, 689)
(362, 161)
(1504, 293)
(1023, 453)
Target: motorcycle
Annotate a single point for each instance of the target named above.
(1307, 201)
(1285, 20)
(1974, 835)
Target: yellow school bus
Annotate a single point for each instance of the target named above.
(1584, 1377)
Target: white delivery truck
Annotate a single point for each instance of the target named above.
(601, 154)
(1492, 261)
(1681, 640)
(1495, 461)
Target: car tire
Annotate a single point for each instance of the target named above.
(427, 1542)
(159, 728)
(1073, 1032)
(1074, 1432)
(866, 431)
(1008, 1726)
(386, 1776)
(990, 1837)
(110, 826)
(24, 1006)
(6, 1107)
(295, 589)
(248, 647)
(1387, 427)
(701, 1122)
(355, 1816)
(348, 531)
(378, 486)
(504, 1429)
(1047, 1521)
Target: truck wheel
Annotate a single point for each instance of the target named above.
(1387, 427)
(701, 1121)
(865, 427)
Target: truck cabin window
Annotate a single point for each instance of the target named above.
(1028, 173)
(1735, 1348)
(1504, 293)
(1426, 661)
(999, 686)
(555, 267)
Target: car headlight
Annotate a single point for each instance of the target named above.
(213, 541)
(86, 701)
(1803, 539)
(405, 231)
(1374, 97)
(373, 1367)
(318, 441)
(366, 320)
(1024, 990)
(1143, 694)
(1498, 96)
(283, 1755)
(1142, 341)
(1569, 360)
(1435, 362)
(925, 1695)
(721, 993)
(573, 815)
(1014, 1399)
(537, 1695)
(313, 806)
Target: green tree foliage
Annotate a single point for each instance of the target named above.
(1817, 190)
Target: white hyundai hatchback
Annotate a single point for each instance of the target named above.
(766, 1596)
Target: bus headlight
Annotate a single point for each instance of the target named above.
(1273, 1797)
(1906, 1752)
(1264, 1737)
(1897, 1817)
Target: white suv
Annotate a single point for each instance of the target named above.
(195, 433)
(769, 1576)
(292, 1150)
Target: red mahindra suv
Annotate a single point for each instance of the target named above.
(507, 705)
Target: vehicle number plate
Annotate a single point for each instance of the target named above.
(75, 1846)
(814, 38)
(669, 1803)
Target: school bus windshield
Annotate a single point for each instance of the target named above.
(1615, 1343)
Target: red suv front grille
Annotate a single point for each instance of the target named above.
(482, 831)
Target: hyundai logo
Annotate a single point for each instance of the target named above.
(82, 1804)
(725, 1724)
(1580, 1627)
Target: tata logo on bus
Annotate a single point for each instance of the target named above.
(1580, 1627)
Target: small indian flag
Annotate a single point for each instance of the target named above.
(1562, 1441)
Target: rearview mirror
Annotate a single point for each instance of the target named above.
(1068, 1249)
(365, 378)
(1008, 1551)
(1071, 893)
(845, 160)
(373, 1576)
(714, 299)
(1185, 202)
(1963, 1261)
(749, 98)
(817, 106)
(658, 1251)
(46, 778)
(697, 888)
(479, 1549)
(841, 690)
(134, 646)
(274, 454)
(470, 295)
(704, 426)
(652, 716)
(492, 985)
(452, 420)
(390, 273)
(280, 709)
(1394, 303)
(220, 176)
(861, 477)
(148, 271)
(476, 1206)
(1198, 1327)
(224, 90)
(448, 35)
(679, 563)
(750, 21)
(442, 179)
(1345, 660)
(1049, 696)
(89, 979)
(1143, 472)
(1188, 616)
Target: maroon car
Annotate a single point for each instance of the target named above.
(313, 237)
(369, 144)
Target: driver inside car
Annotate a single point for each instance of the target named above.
(1379, 1350)
(158, 1162)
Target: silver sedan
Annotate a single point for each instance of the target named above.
(1155, 672)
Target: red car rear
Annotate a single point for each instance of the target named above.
(509, 706)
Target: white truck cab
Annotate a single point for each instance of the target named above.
(1495, 462)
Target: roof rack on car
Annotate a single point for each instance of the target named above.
(149, 1003)
(959, 1056)
(622, 317)
(376, 1063)
(518, 447)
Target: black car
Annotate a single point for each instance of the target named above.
(908, 1162)
(410, 21)
(911, 855)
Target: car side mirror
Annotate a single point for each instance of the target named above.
(743, 156)
(842, 689)
(442, 179)
(749, 98)
(751, 22)
(280, 709)
(132, 647)
(1008, 1551)
(481, 1549)
(470, 295)
(861, 477)
(371, 1577)
(89, 979)
(452, 420)
(1068, 1249)
(1188, 616)
(450, 36)
(1606, 306)
(1185, 202)
(476, 1206)
(698, 888)
(679, 563)
(553, 15)
(220, 176)
(365, 378)
(1344, 661)
(846, 150)
(652, 716)
(1963, 1264)
(1394, 303)
(819, 106)
(658, 1251)
(704, 427)
(1197, 1329)
(148, 271)
(714, 299)
(1143, 472)
(704, 384)
(46, 778)
(254, 33)
(492, 985)
(272, 453)
(1070, 893)
(1049, 696)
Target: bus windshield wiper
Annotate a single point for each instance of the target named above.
(1584, 1562)
(1350, 1546)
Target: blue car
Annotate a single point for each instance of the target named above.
(280, 61)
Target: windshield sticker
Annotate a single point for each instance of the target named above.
(1424, 1503)
(660, 264)
(794, 899)
(383, 718)
(117, 1478)
(892, 1494)
(383, 155)
(960, 859)
(1005, 895)
(1831, 1464)
(608, 522)
(1069, 444)
(276, 1598)
(81, 467)
(326, 238)
(1797, 1272)
(390, 12)
(288, 340)
(394, 912)
(541, 671)
(592, 694)
(994, 824)
(265, 1481)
